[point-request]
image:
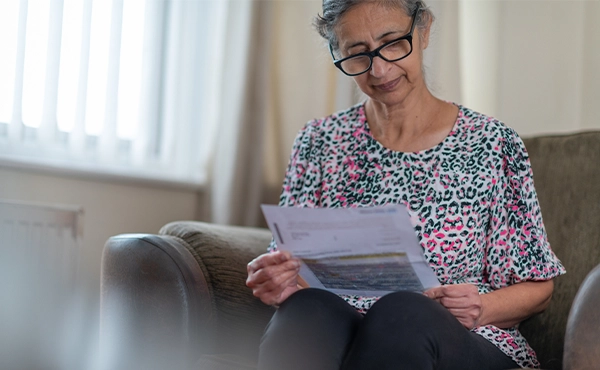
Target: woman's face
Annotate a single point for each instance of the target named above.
(367, 26)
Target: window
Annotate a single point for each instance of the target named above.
(109, 86)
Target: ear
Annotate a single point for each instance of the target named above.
(424, 37)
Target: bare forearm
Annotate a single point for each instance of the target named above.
(509, 306)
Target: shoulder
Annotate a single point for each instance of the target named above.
(476, 122)
(332, 129)
(346, 119)
(475, 126)
(320, 134)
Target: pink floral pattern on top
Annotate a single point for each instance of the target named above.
(471, 200)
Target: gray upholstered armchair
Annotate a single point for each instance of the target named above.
(178, 299)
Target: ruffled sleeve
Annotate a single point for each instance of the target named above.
(517, 245)
(301, 185)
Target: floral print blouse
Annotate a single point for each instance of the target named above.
(471, 200)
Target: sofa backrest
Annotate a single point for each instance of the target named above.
(566, 171)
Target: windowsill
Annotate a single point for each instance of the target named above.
(94, 172)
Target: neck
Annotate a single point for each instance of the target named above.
(403, 119)
(415, 124)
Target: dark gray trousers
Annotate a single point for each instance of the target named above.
(315, 329)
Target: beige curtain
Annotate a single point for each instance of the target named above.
(237, 164)
(277, 76)
(532, 64)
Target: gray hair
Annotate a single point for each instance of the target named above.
(333, 10)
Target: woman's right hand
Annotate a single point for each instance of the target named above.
(273, 277)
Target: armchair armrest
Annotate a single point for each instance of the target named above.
(582, 339)
(168, 299)
(223, 253)
(154, 303)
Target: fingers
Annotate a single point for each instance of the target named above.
(435, 293)
(467, 317)
(275, 293)
(278, 294)
(453, 294)
(458, 290)
(264, 282)
(273, 276)
(269, 266)
(462, 300)
(268, 259)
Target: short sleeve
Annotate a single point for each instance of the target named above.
(301, 185)
(517, 245)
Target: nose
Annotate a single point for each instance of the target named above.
(379, 67)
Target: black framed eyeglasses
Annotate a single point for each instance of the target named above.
(392, 51)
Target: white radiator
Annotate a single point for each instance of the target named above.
(47, 236)
(39, 260)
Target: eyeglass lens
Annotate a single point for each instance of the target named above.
(392, 52)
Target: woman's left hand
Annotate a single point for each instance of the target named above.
(462, 300)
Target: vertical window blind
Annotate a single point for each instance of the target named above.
(97, 85)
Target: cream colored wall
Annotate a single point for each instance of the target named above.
(530, 64)
(110, 208)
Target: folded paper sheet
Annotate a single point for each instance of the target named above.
(367, 251)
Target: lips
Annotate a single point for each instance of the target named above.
(388, 85)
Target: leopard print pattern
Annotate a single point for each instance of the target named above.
(471, 200)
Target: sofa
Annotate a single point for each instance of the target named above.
(177, 299)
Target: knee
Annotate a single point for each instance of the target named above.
(310, 297)
(311, 330)
(405, 301)
(308, 314)
(315, 303)
(407, 309)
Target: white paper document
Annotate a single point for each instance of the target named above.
(368, 251)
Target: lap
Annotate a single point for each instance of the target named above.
(402, 328)
(312, 329)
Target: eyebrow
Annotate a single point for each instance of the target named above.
(360, 43)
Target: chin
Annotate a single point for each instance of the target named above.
(388, 99)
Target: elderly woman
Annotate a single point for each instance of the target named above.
(466, 181)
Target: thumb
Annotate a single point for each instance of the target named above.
(434, 293)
